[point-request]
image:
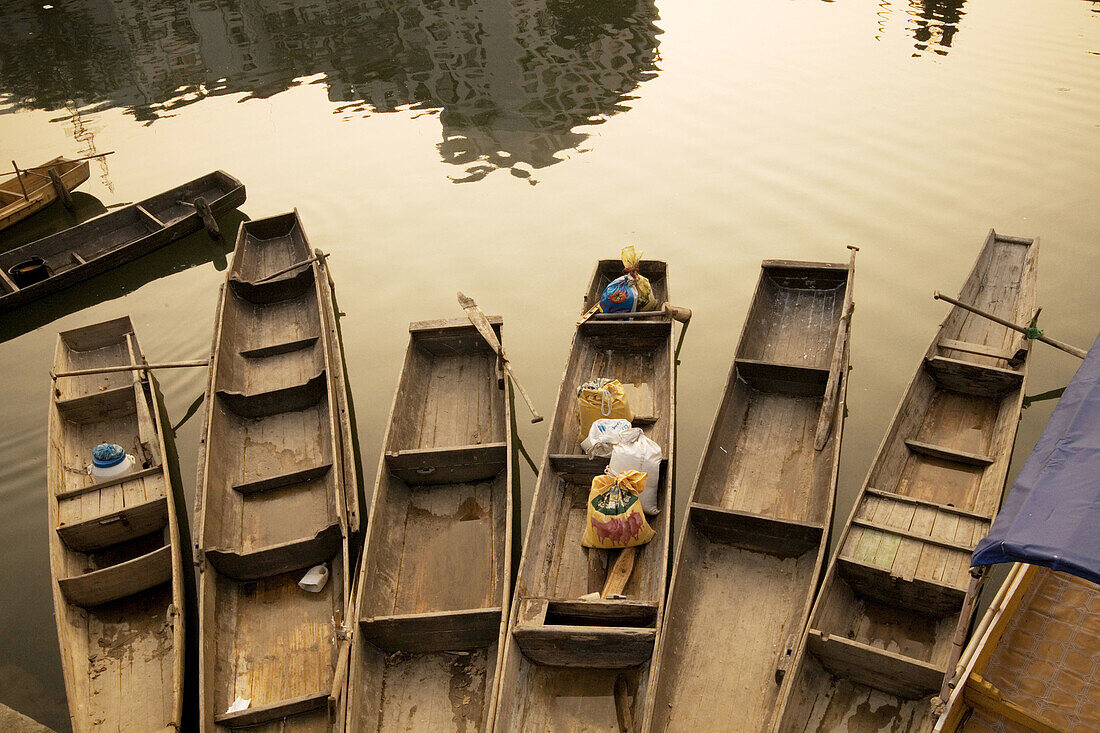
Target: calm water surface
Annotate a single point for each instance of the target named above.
(500, 146)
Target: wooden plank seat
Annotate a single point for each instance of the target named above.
(108, 529)
(892, 496)
(433, 632)
(878, 668)
(98, 485)
(270, 712)
(975, 379)
(284, 287)
(948, 454)
(916, 594)
(290, 478)
(273, 402)
(458, 464)
(277, 559)
(97, 406)
(578, 467)
(792, 379)
(773, 535)
(600, 634)
(285, 347)
(979, 349)
(118, 581)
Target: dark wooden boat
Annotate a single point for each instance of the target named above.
(435, 579)
(277, 491)
(564, 656)
(878, 640)
(32, 189)
(59, 260)
(757, 526)
(115, 553)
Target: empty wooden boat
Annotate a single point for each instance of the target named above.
(33, 189)
(879, 637)
(49, 264)
(757, 526)
(276, 491)
(115, 553)
(435, 579)
(564, 657)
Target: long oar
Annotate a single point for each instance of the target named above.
(481, 323)
(843, 334)
(1030, 331)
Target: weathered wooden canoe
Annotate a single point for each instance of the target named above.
(277, 491)
(77, 253)
(564, 656)
(32, 189)
(1033, 665)
(115, 551)
(757, 526)
(878, 640)
(435, 579)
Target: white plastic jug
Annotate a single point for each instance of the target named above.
(109, 460)
(314, 580)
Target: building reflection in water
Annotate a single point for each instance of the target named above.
(514, 82)
(935, 23)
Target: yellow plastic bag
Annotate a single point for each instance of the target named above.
(601, 398)
(631, 260)
(615, 517)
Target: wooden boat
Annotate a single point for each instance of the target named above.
(757, 526)
(1033, 663)
(277, 491)
(115, 553)
(33, 189)
(564, 657)
(77, 253)
(878, 640)
(435, 579)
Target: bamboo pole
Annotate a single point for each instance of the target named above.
(1030, 332)
(132, 368)
(19, 177)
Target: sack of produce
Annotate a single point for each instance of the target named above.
(630, 450)
(631, 292)
(601, 398)
(615, 518)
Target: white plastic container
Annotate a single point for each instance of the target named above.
(314, 580)
(110, 461)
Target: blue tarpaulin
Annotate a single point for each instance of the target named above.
(1052, 515)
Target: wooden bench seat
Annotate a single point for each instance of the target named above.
(892, 673)
(433, 632)
(114, 527)
(118, 581)
(277, 559)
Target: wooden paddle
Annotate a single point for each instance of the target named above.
(840, 347)
(481, 323)
(620, 573)
(1029, 331)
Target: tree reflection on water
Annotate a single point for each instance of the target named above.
(512, 81)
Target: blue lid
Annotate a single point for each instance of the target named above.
(106, 455)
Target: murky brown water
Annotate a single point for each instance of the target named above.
(500, 147)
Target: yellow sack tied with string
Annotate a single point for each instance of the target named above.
(615, 517)
(601, 398)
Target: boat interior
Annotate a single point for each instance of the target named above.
(273, 503)
(880, 635)
(566, 655)
(758, 519)
(98, 237)
(436, 578)
(112, 551)
(33, 188)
